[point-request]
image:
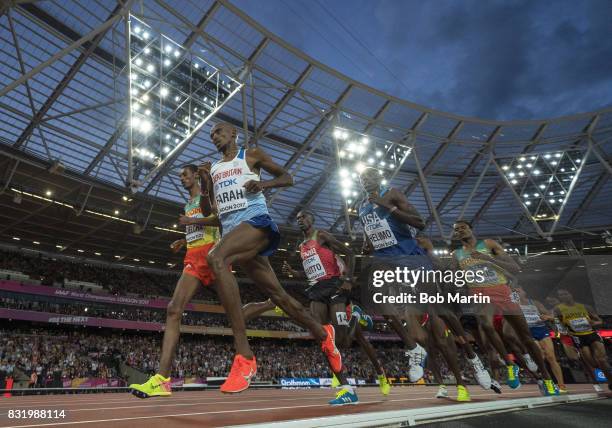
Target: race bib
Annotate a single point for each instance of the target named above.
(193, 232)
(378, 231)
(313, 267)
(230, 194)
(532, 315)
(580, 325)
(342, 318)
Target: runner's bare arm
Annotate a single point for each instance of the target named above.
(544, 313)
(596, 321)
(177, 245)
(502, 259)
(337, 247)
(206, 198)
(211, 220)
(367, 248)
(405, 212)
(257, 159)
(290, 272)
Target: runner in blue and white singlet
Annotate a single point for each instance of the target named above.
(249, 235)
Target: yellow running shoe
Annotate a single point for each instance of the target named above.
(279, 311)
(462, 393)
(156, 386)
(384, 385)
(335, 382)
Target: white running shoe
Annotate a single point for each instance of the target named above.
(442, 392)
(482, 375)
(417, 358)
(597, 388)
(531, 365)
(495, 386)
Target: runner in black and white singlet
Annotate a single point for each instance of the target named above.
(249, 236)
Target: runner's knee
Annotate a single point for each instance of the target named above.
(174, 310)
(215, 260)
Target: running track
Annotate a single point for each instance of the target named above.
(212, 409)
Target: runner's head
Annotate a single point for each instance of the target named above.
(223, 135)
(462, 230)
(305, 220)
(565, 296)
(551, 301)
(189, 176)
(370, 179)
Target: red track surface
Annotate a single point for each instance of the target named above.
(212, 409)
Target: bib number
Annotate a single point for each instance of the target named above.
(580, 325)
(193, 233)
(380, 234)
(313, 268)
(342, 318)
(230, 195)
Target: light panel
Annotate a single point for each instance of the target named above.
(172, 94)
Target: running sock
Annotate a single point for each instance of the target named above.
(349, 388)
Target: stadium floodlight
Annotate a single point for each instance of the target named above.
(172, 94)
(357, 151)
(546, 183)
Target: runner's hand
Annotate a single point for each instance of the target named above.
(287, 269)
(253, 186)
(204, 169)
(177, 245)
(184, 220)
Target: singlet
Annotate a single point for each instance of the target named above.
(197, 235)
(532, 315)
(319, 262)
(576, 318)
(234, 204)
(388, 236)
(492, 275)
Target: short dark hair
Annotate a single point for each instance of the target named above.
(308, 213)
(469, 223)
(191, 167)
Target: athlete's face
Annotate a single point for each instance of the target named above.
(462, 231)
(304, 221)
(565, 296)
(551, 301)
(222, 135)
(188, 178)
(370, 180)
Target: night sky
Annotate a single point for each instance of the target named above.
(490, 59)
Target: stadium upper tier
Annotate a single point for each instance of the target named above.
(63, 96)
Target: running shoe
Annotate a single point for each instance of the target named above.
(328, 346)
(562, 389)
(480, 373)
(442, 392)
(344, 397)
(364, 319)
(335, 382)
(597, 388)
(156, 386)
(531, 365)
(383, 383)
(417, 359)
(240, 375)
(550, 388)
(463, 394)
(495, 386)
(513, 376)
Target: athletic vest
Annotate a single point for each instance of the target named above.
(576, 318)
(234, 204)
(532, 315)
(492, 275)
(320, 263)
(197, 235)
(388, 236)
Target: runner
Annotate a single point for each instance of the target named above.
(329, 287)
(581, 321)
(536, 316)
(488, 258)
(390, 224)
(249, 237)
(201, 233)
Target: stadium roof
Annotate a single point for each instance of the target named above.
(59, 100)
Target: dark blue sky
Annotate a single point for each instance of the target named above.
(492, 59)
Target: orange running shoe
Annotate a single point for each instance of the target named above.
(240, 375)
(328, 346)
